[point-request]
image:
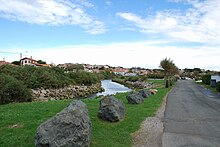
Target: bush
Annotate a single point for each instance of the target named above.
(54, 77)
(206, 79)
(37, 77)
(218, 86)
(133, 78)
(143, 78)
(84, 78)
(170, 82)
(12, 90)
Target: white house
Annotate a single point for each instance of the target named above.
(214, 80)
(28, 61)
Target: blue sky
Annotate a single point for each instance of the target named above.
(115, 32)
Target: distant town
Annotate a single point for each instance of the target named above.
(194, 73)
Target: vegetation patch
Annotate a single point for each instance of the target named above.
(104, 134)
(16, 81)
(206, 83)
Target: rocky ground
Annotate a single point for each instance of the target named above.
(72, 91)
(151, 130)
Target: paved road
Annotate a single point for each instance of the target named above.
(192, 117)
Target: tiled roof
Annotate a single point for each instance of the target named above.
(28, 59)
(3, 62)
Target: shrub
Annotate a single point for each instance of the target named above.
(206, 79)
(133, 78)
(54, 77)
(218, 86)
(143, 78)
(12, 90)
(84, 78)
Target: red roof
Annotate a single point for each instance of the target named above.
(3, 62)
(28, 59)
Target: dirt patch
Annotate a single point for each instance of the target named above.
(151, 130)
(15, 126)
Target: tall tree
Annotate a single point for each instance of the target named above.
(41, 62)
(168, 66)
(16, 62)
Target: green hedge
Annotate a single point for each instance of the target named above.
(206, 79)
(13, 90)
(37, 77)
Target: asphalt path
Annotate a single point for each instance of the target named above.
(192, 117)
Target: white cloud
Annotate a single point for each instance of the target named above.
(109, 3)
(200, 23)
(143, 54)
(129, 54)
(52, 12)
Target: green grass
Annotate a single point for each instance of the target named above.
(208, 87)
(28, 116)
(158, 82)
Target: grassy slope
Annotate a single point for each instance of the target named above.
(208, 87)
(29, 116)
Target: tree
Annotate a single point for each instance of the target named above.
(16, 62)
(41, 62)
(169, 67)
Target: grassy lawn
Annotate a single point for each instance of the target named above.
(208, 87)
(19, 121)
(158, 82)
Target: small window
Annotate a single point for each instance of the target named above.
(25, 61)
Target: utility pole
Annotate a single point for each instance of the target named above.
(6, 52)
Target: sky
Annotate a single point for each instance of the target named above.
(128, 33)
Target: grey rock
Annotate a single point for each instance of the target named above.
(43, 91)
(145, 93)
(135, 98)
(70, 128)
(111, 109)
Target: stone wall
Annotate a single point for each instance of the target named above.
(69, 92)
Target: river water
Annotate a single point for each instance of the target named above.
(111, 88)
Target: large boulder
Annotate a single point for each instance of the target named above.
(70, 127)
(135, 98)
(145, 93)
(111, 109)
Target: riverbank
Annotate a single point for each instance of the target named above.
(105, 87)
(151, 83)
(19, 121)
(111, 88)
(69, 92)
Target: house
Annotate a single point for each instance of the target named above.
(214, 80)
(120, 71)
(28, 61)
(4, 63)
